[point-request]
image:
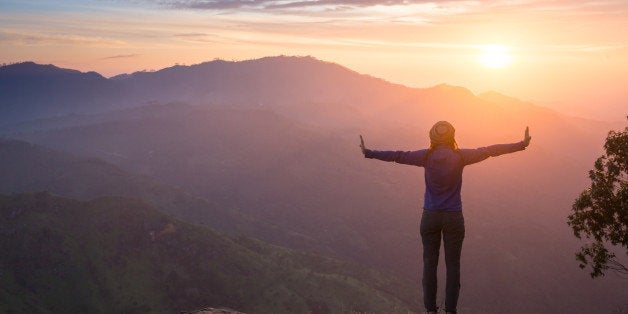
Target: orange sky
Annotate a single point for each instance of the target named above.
(570, 55)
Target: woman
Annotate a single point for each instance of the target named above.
(442, 208)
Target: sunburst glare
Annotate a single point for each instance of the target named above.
(495, 56)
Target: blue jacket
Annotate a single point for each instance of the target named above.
(443, 169)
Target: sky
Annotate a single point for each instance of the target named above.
(567, 55)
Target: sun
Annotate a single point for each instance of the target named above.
(494, 56)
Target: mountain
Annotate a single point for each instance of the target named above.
(252, 160)
(117, 255)
(276, 139)
(25, 167)
(30, 90)
(271, 80)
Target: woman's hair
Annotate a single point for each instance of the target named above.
(443, 133)
(453, 145)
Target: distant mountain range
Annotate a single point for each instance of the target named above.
(29, 90)
(268, 148)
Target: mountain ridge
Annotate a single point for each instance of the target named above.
(214, 82)
(30, 67)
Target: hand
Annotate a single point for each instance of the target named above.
(526, 137)
(362, 145)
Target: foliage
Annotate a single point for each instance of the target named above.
(600, 213)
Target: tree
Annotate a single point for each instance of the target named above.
(600, 213)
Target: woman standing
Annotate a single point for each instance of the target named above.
(442, 209)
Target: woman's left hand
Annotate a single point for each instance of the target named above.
(362, 145)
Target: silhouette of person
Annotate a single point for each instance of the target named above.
(442, 209)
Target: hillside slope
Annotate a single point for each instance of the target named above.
(115, 255)
(25, 167)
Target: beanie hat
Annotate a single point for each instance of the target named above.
(442, 133)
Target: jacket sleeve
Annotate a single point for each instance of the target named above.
(471, 156)
(415, 158)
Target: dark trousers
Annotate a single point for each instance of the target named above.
(449, 225)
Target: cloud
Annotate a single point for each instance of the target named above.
(190, 35)
(122, 56)
(21, 38)
(215, 5)
(587, 48)
(293, 4)
(347, 5)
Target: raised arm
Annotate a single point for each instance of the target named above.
(471, 156)
(416, 158)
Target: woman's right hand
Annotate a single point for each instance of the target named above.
(526, 137)
(362, 145)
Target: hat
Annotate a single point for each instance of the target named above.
(442, 133)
